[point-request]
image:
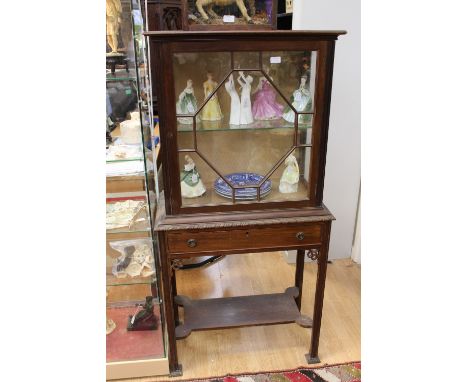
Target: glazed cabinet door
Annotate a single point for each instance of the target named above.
(244, 123)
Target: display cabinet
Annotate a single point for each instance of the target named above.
(244, 124)
(135, 330)
(229, 14)
(164, 14)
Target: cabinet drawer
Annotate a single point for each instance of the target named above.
(287, 236)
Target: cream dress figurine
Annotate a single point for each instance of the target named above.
(187, 103)
(290, 178)
(113, 12)
(211, 111)
(246, 105)
(302, 102)
(235, 101)
(191, 185)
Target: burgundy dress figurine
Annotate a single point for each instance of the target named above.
(265, 106)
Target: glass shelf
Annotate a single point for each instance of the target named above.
(211, 198)
(140, 265)
(136, 216)
(115, 79)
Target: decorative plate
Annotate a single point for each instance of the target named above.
(242, 179)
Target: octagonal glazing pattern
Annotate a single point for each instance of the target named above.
(243, 118)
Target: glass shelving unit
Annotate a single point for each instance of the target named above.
(132, 262)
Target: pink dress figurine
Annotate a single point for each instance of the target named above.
(265, 106)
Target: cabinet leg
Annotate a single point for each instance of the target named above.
(174, 293)
(322, 261)
(299, 275)
(167, 275)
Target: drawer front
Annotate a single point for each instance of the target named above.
(287, 236)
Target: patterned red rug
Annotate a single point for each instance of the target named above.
(346, 372)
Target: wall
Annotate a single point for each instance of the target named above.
(343, 159)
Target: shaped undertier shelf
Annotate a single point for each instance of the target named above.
(229, 312)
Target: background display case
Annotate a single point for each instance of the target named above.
(135, 339)
(244, 125)
(229, 14)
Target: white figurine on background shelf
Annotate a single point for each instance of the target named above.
(246, 105)
(302, 102)
(235, 101)
(290, 178)
(130, 129)
(187, 103)
(191, 185)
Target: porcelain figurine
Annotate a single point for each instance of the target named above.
(144, 319)
(191, 185)
(187, 103)
(290, 178)
(246, 106)
(265, 106)
(235, 101)
(110, 324)
(211, 111)
(302, 101)
(113, 12)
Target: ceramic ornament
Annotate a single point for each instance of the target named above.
(110, 324)
(265, 106)
(246, 106)
(187, 103)
(302, 101)
(235, 101)
(134, 269)
(211, 111)
(191, 185)
(113, 13)
(290, 178)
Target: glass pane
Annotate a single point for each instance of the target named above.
(196, 76)
(130, 262)
(294, 73)
(197, 182)
(246, 60)
(230, 12)
(290, 182)
(185, 136)
(123, 344)
(245, 127)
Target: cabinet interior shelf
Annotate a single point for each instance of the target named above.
(229, 312)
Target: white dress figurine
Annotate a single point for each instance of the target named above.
(235, 101)
(187, 104)
(191, 185)
(290, 178)
(302, 102)
(246, 105)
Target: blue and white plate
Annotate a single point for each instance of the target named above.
(242, 179)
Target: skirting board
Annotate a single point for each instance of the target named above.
(290, 257)
(137, 369)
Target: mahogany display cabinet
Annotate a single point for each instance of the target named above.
(244, 125)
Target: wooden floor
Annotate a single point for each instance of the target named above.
(263, 348)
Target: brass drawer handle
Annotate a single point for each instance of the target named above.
(300, 236)
(192, 243)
